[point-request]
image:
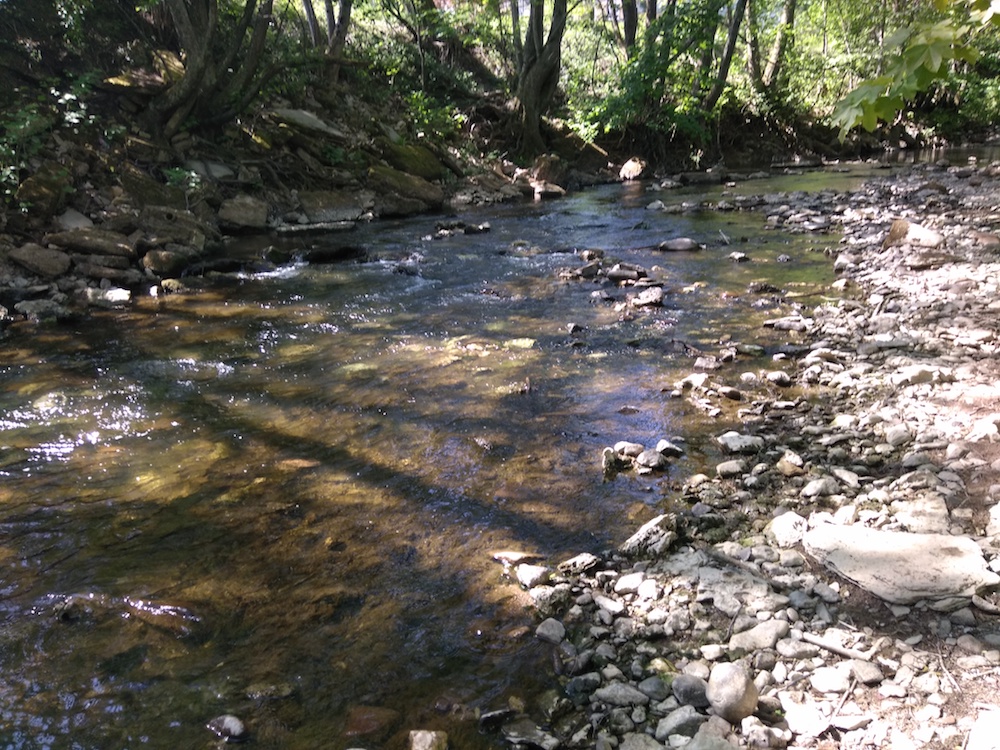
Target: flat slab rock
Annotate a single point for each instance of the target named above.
(900, 567)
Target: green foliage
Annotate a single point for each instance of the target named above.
(185, 179)
(26, 126)
(591, 69)
(920, 55)
(429, 117)
(391, 57)
(656, 86)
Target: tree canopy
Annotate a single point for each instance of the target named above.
(692, 76)
(919, 55)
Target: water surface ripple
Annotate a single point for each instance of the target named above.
(278, 497)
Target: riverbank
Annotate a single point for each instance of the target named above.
(847, 420)
(832, 585)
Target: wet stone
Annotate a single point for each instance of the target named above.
(263, 691)
(526, 732)
(579, 688)
(580, 563)
(229, 728)
(550, 630)
(734, 442)
(424, 739)
(651, 459)
(530, 576)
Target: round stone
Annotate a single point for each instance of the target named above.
(731, 692)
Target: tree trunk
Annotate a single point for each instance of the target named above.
(312, 23)
(630, 23)
(539, 76)
(709, 102)
(515, 25)
(196, 27)
(212, 88)
(753, 50)
(337, 27)
(783, 35)
(247, 71)
(650, 11)
(607, 13)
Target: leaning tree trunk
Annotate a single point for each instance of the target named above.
(312, 23)
(765, 74)
(712, 98)
(539, 75)
(195, 25)
(783, 37)
(337, 25)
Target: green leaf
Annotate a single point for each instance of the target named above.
(869, 119)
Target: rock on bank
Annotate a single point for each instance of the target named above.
(852, 601)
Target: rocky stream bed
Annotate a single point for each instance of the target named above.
(832, 584)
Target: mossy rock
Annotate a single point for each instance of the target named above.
(44, 193)
(416, 160)
(387, 179)
(143, 191)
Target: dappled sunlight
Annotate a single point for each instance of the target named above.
(298, 480)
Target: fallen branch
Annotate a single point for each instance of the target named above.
(847, 653)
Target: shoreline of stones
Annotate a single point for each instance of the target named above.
(720, 627)
(833, 585)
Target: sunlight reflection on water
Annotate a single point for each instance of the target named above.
(317, 463)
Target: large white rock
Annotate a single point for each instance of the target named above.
(900, 567)
(903, 232)
(787, 529)
(734, 442)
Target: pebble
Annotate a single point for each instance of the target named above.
(689, 690)
(620, 694)
(684, 721)
(765, 635)
(729, 469)
(530, 576)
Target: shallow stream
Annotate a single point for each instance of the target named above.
(279, 497)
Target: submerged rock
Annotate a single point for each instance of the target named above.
(229, 728)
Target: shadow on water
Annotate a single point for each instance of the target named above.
(279, 497)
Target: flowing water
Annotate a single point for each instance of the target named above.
(279, 497)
